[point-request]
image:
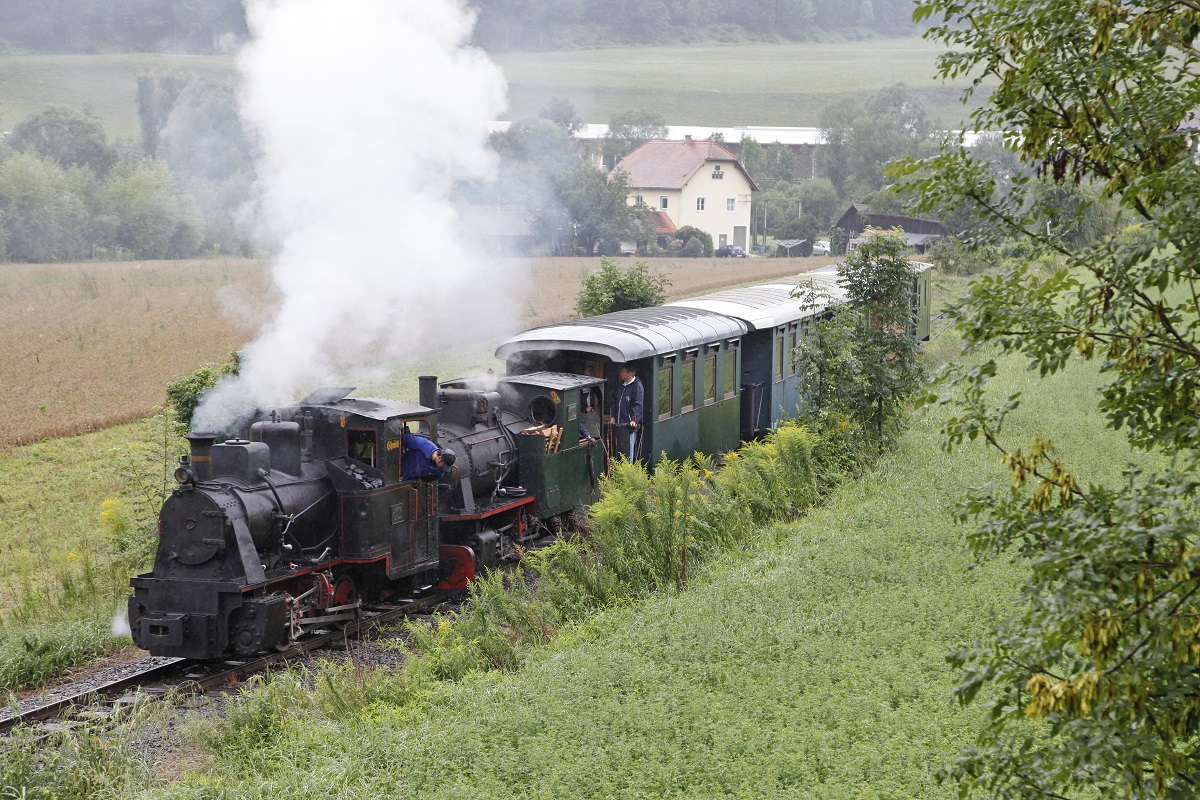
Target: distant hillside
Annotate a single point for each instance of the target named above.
(205, 26)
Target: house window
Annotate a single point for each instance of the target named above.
(699, 203)
(662, 202)
(717, 174)
(638, 200)
(730, 203)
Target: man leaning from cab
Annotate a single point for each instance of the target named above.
(423, 459)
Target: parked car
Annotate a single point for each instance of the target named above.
(820, 248)
(730, 251)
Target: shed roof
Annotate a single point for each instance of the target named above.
(628, 335)
(663, 224)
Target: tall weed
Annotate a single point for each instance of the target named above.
(647, 533)
(29, 656)
(75, 764)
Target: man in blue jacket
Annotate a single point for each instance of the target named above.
(626, 416)
(422, 458)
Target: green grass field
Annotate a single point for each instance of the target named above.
(719, 85)
(104, 84)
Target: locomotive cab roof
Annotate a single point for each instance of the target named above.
(375, 408)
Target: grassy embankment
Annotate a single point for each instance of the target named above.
(720, 85)
(807, 663)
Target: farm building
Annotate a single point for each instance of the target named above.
(920, 233)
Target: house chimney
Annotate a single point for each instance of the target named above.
(687, 137)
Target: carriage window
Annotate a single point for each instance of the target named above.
(688, 386)
(779, 356)
(362, 445)
(664, 392)
(791, 357)
(710, 380)
(730, 373)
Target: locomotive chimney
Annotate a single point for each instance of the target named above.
(427, 391)
(201, 457)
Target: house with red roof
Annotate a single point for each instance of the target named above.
(692, 182)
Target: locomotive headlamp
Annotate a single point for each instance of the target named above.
(183, 474)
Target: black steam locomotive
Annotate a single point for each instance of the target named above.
(306, 516)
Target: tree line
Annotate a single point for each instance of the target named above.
(84, 26)
(68, 193)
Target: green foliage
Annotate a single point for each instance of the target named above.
(32, 654)
(89, 26)
(204, 136)
(1106, 653)
(597, 208)
(838, 240)
(630, 130)
(62, 764)
(861, 136)
(688, 233)
(142, 199)
(694, 248)
(66, 137)
(952, 257)
(156, 98)
(45, 209)
(616, 289)
(560, 111)
(862, 360)
(818, 198)
(804, 228)
(769, 164)
(184, 393)
(145, 470)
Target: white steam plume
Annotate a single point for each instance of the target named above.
(367, 111)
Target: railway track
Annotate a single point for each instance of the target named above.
(154, 678)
